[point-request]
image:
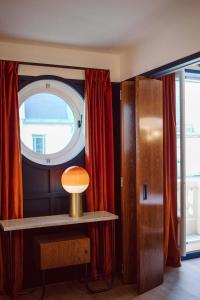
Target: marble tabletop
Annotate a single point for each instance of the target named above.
(56, 220)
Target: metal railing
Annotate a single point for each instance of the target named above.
(192, 205)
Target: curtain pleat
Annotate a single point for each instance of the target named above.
(11, 195)
(171, 251)
(100, 165)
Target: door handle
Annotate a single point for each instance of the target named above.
(145, 191)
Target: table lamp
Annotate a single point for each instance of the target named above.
(75, 181)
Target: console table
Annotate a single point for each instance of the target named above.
(8, 226)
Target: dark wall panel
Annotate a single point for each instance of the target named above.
(42, 204)
(44, 182)
(43, 192)
(32, 182)
(117, 166)
(61, 204)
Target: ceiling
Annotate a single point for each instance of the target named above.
(94, 24)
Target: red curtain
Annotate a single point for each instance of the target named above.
(11, 199)
(100, 164)
(171, 251)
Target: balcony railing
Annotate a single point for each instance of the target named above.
(192, 212)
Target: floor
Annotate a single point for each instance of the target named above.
(179, 284)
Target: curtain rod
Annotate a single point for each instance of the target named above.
(56, 66)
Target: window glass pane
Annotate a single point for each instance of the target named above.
(47, 123)
(178, 145)
(192, 145)
(39, 144)
(192, 127)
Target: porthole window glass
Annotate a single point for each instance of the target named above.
(47, 123)
(51, 122)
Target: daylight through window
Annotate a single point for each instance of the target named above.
(51, 122)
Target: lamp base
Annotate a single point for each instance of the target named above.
(76, 206)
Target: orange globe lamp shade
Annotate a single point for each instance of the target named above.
(75, 180)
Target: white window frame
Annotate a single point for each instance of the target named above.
(75, 102)
(180, 76)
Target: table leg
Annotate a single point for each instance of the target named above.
(43, 285)
(9, 254)
(113, 250)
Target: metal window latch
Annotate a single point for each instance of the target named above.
(80, 121)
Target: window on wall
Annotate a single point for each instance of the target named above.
(188, 159)
(51, 122)
(39, 143)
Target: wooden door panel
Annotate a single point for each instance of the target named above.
(149, 183)
(128, 203)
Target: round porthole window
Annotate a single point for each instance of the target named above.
(51, 122)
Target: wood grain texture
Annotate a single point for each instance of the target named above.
(128, 193)
(149, 171)
(61, 250)
(142, 165)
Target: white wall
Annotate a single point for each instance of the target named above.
(156, 53)
(173, 39)
(176, 37)
(59, 56)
